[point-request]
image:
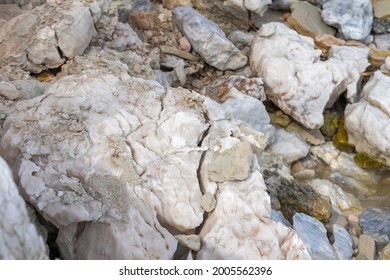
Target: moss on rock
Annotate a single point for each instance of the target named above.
(368, 162)
(340, 139)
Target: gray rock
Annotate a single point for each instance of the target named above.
(380, 26)
(131, 6)
(124, 37)
(352, 18)
(19, 239)
(343, 243)
(376, 223)
(208, 40)
(277, 216)
(30, 88)
(8, 91)
(240, 39)
(381, 16)
(385, 253)
(366, 248)
(313, 234)
(382, 41)
(282, 4)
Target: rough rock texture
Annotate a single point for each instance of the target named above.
(44, 37)
(240, 39)
(306, 19)
(366, 248)
(124, 37)
(376, 223)
(19, 239)
(381, 16)
(367, 121)
(304, 85)
(382, 41)
(343, 243)
(282, 4)
(352, 18)
(290, 145)
(313, 234)
(208, 40)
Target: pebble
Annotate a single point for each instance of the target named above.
(184, 44)
(191, 241)
(366, 249)
(208, 202)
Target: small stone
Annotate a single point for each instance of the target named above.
(240, 39)
(185, 44)
(208, 202)
(353, 218)
(191, 241)
(355, 241)
(376, 223)
(280, 119)
(144, 20)
(366, 248)
(312, 136)
(331, 124)
(306, 20)
(171, 4)
(9, 91)
(305, 175)
(385, 253)
(343, 243)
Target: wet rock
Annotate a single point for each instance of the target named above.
(343, 243)
(289, 145)
(305, 85)
(311, 136)
(220, 90)
(191, 241)
(19, 239)
(249, 110)
(353, 19)
(376, 223)
(313, 234)
(385, 253)
(124, 38)
(366, 249)
(338, 197)
(367, 120)
(306, 20)
(381, 16)
(340, 139)
(208, 40)
(331, 124)
(36, 46)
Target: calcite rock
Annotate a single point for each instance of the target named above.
(367, 121)
(44, 37)
(352, 18)
(313, 234)
(304, 85)
(208, 40)
(306, 19)
(343, 243)
(19, 239)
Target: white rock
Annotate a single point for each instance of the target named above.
(288, 144)
(191, 241)
(343, 243)
(304, 85)
(19, 239)
(367, 121)
(356, 60)
(313, 234)
(249, 110)
(208, 40)
(338, 197)
(9, 91)
(124, 37)
(352, 18)
(29, 41)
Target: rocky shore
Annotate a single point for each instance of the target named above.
(190, 129)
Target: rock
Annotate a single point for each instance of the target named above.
(340, 139)
(331, 124)
(208, 40)
(277, 216)
(312, 136)
(171, 4)
(144, 20)
(208, 202)
(124, 38)
(338, 197)
(336, 219)
(353, 19)
(36, 46)
(282, 4)
(289, 145)
(367, 120)
(306, 20)
(9, 11)
(325, 41)
(232, 164)
(8, 91)
(378, 57)
(185, 44)
(19, 239)
(126, 7)
(366, 248)
(313, 234)
(220, 89)
(385, 253)
(191, 241)
(280, 119)
(376, 223)
(240, 39)
(301, 198)
(381, 16)
(249, 110)
(305, 85)
(343, 243)
(30, 88)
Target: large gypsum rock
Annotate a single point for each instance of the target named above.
(44, 37)
(240, 227)
(352, 18)
(19, 238)
(208, 40)
(367, 121)
(299, 83)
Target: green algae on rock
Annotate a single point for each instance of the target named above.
(331, 124)
(368, 162)
(340, 139)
